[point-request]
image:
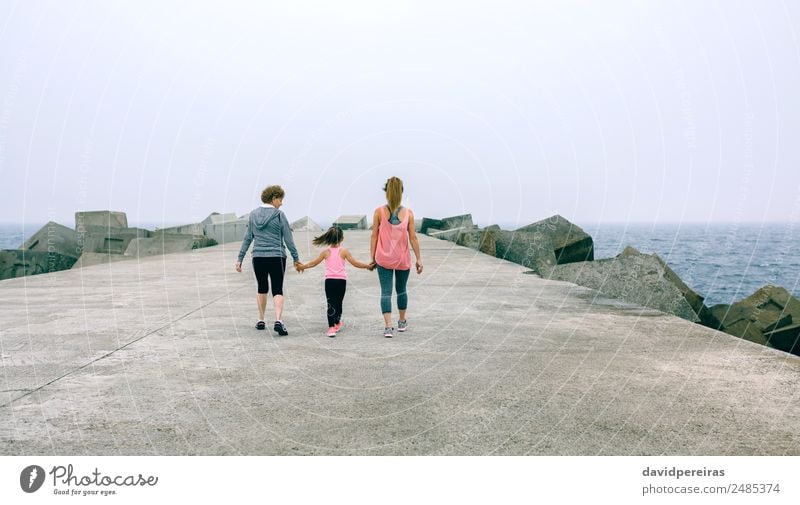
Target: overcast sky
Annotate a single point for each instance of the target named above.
(513, 111)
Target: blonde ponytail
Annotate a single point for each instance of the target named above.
(394, 193)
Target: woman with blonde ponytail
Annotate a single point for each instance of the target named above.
(392, 231)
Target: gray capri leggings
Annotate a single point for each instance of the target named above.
(385, 277)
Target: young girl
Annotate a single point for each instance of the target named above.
(335, 276)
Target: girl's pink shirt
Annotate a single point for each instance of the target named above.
(334, 265)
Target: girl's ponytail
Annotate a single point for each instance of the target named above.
(333, 236)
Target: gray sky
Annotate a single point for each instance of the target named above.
(599, 111)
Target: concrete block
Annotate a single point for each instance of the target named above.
(89, 259)
(714, 315)
(480, 240)
(352, 222)
(230, 231)
(19, 263)
(639, 279)
(761, 317)
(533, 250)
(746, 330)
(570, 242)
(97, 239)
(451, 235)
(166, 243)
(695, 300)
(786, 338)
(305, 224)
(54, 237)
(195, 229)
(101, 218)
(430, 223)
(448, 223)
(217, 218)
(462, 221)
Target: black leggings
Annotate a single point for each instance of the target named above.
(334, 292)
(267, 269)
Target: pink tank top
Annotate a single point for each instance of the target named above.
(392, 251)
(334, 265)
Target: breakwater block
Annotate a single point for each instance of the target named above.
(696, 301)
(226, 231)
(570, 242)
(532, 250)
(765, 317)
(19, 263)
(99, 239)
(305, 224)
(217, 218)
(786, 338)
(462, 221)
(101, 218)
(484, 240)
(54, 237)
(641, 279)
(194, 229)
(89, 259)
(452, 234)
(351, 222)
(165, 243)
(431, 224)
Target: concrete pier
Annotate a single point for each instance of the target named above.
(159, 356)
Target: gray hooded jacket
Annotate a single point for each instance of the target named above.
(268, 232)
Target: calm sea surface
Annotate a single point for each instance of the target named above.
(723, 262)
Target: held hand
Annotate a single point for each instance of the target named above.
(299, 266)
(238, 266)
(419, 267)
(371, 266)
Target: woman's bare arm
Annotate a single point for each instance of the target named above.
(373, 242)
(412, 237)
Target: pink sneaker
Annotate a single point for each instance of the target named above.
(332, 331)
(338, 326)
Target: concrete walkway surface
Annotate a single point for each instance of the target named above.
(161, 357)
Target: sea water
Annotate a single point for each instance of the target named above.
(722, 262)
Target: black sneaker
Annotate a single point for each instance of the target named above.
(280, 329)
(261, 325)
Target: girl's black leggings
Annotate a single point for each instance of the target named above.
(334, 292)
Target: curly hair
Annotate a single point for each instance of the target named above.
(272, 192)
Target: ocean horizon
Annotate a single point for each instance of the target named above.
(724, 262)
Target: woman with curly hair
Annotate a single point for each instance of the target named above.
(268, 229)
